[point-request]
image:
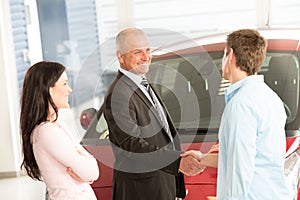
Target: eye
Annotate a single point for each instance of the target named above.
(137, 52)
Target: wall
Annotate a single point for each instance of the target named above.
(9, 99)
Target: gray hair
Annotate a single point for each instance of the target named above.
(121, 38)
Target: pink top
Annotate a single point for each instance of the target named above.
(54, 151)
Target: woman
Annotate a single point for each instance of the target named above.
(50, 153)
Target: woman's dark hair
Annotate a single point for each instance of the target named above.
(35, 102)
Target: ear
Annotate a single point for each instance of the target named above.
(231, 56)
(119, 56)
(50, 91)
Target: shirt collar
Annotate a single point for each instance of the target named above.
(234, 88)
(137, 79)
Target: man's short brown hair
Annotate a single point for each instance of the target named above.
(249, 48)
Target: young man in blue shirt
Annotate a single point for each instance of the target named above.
(252, 136)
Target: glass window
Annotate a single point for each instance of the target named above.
(194, 18)
(19, 27)
(285, 13)
(187, 87)
(69, 34)
(192, 96)
(193, 90)
(281, 72)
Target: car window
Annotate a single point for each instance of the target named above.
(194, 94)
(102, 128)
(281, 73)
(192, 88)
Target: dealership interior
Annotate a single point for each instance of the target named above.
(80, 34)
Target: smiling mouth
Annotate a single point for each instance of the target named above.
(144, 64)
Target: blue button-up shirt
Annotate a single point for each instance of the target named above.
(252, 143)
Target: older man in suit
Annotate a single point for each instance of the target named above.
(144, 140)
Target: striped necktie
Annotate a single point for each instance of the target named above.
(157, 105)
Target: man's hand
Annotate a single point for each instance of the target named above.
(190, 163)
(210, 160)
(214, 148)
(196, 154)
(207, 160)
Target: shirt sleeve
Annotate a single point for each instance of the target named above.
(58, 144)
(240, 149)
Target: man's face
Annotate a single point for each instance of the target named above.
(137, 55)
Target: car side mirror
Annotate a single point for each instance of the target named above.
(86, 117)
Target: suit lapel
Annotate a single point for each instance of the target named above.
(169, 119)
(136, 90)
(139, 93)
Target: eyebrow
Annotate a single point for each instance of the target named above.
(65, 80)
(141, 49)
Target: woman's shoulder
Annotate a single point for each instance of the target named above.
(44, 126)
(43, 129)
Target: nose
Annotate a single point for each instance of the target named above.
(146, 55)
(70, 89)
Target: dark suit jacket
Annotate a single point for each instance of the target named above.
(146, 163)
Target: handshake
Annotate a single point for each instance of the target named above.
(194, 162)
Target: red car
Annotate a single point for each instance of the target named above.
(188, 78)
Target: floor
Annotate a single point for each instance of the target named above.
(21, 188)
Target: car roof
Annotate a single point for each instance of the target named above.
(278, 39)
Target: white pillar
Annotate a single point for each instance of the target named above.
(263, 13)
(33, 33)
(9, 99)
(125, 14)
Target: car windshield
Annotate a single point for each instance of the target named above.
(193, 90)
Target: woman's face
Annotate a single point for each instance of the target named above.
(60, 92)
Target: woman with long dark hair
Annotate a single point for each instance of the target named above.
(50, 152)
